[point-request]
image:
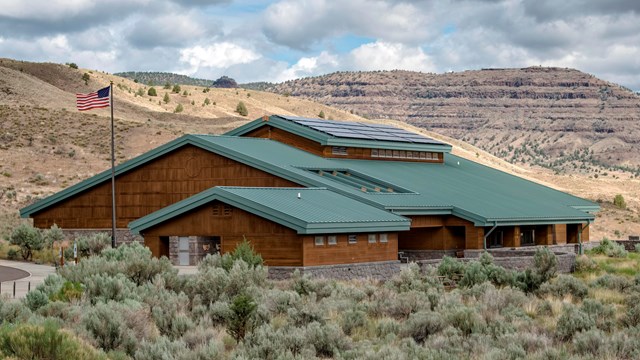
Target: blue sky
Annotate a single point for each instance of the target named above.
(278, 40)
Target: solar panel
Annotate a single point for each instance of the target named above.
(355, 130)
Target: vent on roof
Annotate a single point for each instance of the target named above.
(359, 181)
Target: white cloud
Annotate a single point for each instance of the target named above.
(218, 55)
(389, 56)
(309, 66)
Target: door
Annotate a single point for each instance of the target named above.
(527, 237)
(183, 250)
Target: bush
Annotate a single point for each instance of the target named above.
(465, 319)
(604, 316)
(161, 348)
(93, 244)
(36, 299)
(166, 98)
(207, 101)
(545, 264)
(28, 238)
(618, 201)
(321, 114)
(571, 321)
(451, 268)
(613, 282)
(474, 274)
(421, 325)
(353, 319)
(590, 342)
(86, 77)
(46, 341)
(610, 249)
(176, 89)
(242, 109)
(12, 254)
(107, 327)
(563, 285)
(167, 86)
(73, 65)
(179, 108)
(585, 264)
(243, 251)
(239, 323)
(152, 91)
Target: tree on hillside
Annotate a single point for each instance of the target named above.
(166, 98)
(207, 101)
(176, 88)
(73, 65)
(152, 92)
(321, 115)
(167, 86)
(178, 109)
(242, 109)
(86, 78)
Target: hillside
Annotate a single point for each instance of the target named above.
(561, 119)
(161, 78)
(46, 144)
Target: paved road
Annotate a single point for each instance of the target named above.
(9, 273)
(32, 275)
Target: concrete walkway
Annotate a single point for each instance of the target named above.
(34, 275)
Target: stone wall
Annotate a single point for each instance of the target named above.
(629, 245)
(417, 255)
(375, 270)
(123, 236)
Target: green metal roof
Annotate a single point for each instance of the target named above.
(316, 211)
(288, 124)
(459, 187)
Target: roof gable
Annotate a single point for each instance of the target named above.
(305, 210)
(347, 134)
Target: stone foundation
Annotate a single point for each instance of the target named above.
(629, 245)
(123, 236)
(417, 255)
(375, 270)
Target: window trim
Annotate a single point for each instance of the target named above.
(383, 238)
(320, 242)
(352, 239)
(332, 240)
(374, 237)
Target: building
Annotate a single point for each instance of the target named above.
(312, 192)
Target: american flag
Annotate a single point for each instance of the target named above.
(94, 100)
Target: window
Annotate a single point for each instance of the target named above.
(527, 237)
(332, 240)
(339, 150)
(402, 154)
(353, 239)
(495, 239)
(383, 238)
(319, 240)
(374, 152)
(372, 238)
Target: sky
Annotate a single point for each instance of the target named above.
(279, 40)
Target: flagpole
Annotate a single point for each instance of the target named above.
(113, 174)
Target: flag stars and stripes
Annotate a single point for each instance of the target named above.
(94, 100)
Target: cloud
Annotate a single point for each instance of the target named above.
(301, 23)
(173, 30)
(389, 56)
(217, 55)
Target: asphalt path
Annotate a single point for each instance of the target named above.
(10, 273)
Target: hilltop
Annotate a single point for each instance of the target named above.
(47, 145)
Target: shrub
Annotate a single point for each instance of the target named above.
(68, 292)
(179, 108)
(465, 319)
(105, 324)
(176, 89)
(618, 201)
(563, 285)
(613, 282)
(167, 86)
(103, 288)
(585, 264)
(12, 254)
(610, 249)
(637, 248)
(421, 325)
(14, 312)
(93, 244)
(451, 268)
(28, 238)
(166, 98)
(36, 299)
(604, 316)
(243, 251)
(632, 316)
(242, 309)
(53, 235)
(241, 109)
(411, 278)
(207, 101)
(152, 91)
(474, 274)
(161, 348)
(46, 341)
(321, 114)
(545, 264)
(73, 65)
(353, 319)
(571, 321)
(590, 342)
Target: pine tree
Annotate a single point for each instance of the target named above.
(166, 98)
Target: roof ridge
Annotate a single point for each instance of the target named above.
(271, 188)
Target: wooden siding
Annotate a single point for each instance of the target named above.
(345, 253)
(278, 245)
(153, 186)
(269, 132)
(439, 233)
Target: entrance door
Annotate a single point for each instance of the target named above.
(495, 239)
(183, 250)
(527, 237)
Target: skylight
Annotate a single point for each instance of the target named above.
(359, 181)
